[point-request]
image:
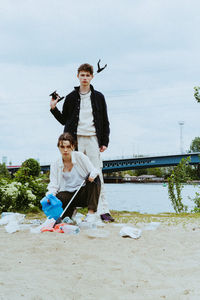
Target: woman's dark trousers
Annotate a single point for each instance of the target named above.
(88, 196)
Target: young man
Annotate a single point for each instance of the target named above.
(84, 116)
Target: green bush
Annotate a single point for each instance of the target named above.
(31, 167)
(25, 191)
(176, 182)
(15, 196)
(4, 173)
(197, 203)
(39, 187)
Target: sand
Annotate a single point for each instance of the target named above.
(161, 264)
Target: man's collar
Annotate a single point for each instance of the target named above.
(78, 87)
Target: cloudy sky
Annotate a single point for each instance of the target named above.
(152, 48)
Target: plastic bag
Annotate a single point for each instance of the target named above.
(51, 206)
(128, 231)
(7, 217)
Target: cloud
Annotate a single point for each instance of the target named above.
(152, 51)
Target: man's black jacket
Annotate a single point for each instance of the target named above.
(70, 114)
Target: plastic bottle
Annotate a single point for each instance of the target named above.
(67, 220)
(87, 225)
(70, 229)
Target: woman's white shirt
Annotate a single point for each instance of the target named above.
(82, 164)
(71, 180)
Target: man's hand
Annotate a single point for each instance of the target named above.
(53, 102)
(102, 148)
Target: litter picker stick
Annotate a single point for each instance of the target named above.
(59, 220)
(72, 198)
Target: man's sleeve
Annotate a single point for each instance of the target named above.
(106, 125)
(60, 116)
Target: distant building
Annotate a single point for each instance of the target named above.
(142, 178)
(129, 178)
(146, 177)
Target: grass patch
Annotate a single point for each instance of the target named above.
(135, 217)
(165, 218)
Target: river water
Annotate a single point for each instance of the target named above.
(145, 197)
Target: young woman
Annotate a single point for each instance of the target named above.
(67, 174)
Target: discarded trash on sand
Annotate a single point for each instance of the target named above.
(128, 231)
(12, 221)
(15, 222)
(7, 217)
(67, 220)
(97, 233)
(48, 223)
(61, 228)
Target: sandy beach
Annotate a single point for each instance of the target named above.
(161, 264)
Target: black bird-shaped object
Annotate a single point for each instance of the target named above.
(99, 68)
(55, 95)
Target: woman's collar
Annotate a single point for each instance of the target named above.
(73, 159)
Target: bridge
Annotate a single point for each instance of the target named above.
(124, 164)
(148, 162)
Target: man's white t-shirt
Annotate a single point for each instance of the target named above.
(86, 119)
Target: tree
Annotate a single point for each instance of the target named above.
(176, 183)
(139, 172)
(33, 165)
(195, 145)
(4, 171)
(155, 171)
(29, 170)
(196, 93)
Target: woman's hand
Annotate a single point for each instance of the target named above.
(90, 179)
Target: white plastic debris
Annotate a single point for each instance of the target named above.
(86, 226)
(12, 227)
(11, 217)
(128, 231)
(67, 220)
(152, 226)
(48, 223)
(70, 229)
(12, 221)
(99, 223)
(97, 233)
(35, 222)
(78, 218)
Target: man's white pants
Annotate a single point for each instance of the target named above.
(89, 146)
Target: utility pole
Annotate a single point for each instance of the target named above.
(181, 123)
